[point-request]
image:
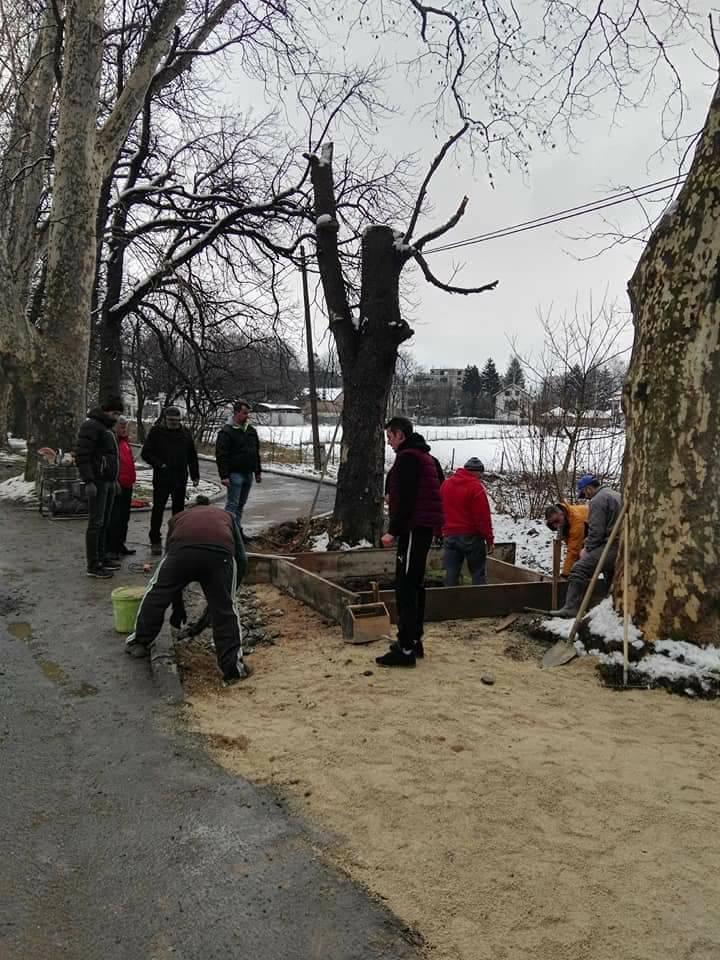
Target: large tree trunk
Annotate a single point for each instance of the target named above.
(672, 408)
(58, 394)
(368, 365)
(367, 348)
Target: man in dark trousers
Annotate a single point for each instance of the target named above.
(237, 454)
(203, 546)
(413, 490)
(170, 451)
(96, 456)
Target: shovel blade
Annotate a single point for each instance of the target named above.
(562, 652)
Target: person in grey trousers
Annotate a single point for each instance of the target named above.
(605, 505)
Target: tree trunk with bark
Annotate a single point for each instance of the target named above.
(672, 409)
(58, 388)
(367, 347)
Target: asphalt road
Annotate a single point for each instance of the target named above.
(121, 839)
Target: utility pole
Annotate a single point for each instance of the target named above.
(317, 459)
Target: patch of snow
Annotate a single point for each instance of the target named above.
(706, 659)
(658, 667)
(403, 247)
(18, 490)
(605, 622)
(17, 444)
(356, 322)
(560, 627)
(321, 543)
(324, 220)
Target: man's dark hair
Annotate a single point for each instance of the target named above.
(241, 405)
(201, 501)
(553, 508)
(400, 425)
(112, 403)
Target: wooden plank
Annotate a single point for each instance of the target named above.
(469, 603)
(337, 564)
(307, 587)
(259, 569)
(507, 622)
(499, 572)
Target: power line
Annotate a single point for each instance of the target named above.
(569, 213)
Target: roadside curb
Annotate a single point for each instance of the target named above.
(164, 668)
(279, 472)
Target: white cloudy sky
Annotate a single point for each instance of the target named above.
(544, 268)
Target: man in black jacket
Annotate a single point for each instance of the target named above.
(237, 454)
(96, 456)
(170, 451)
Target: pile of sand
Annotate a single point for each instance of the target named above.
(545, 817)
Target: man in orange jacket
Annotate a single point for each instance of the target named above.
(571, 520)
(467, 531)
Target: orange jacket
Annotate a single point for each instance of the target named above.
(573, 533)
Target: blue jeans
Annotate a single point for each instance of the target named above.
(457, 551)
(238, 493)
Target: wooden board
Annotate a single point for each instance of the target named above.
(338, 564)
(500, 572)
(320, 594)
(468, 603)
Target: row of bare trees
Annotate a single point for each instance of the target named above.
(131, 201)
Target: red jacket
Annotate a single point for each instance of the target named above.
(466, 507)
(127, 475)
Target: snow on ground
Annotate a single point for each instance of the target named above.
(533, 539)
(670, 659)
(18, 490)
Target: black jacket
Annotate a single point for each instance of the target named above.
(171, 453)
(96, 453)
(412, 502)
(237, 451)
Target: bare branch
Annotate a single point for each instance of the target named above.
(448, 288)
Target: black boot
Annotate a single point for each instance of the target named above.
(395, 657)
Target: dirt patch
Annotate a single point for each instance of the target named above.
(543, 817)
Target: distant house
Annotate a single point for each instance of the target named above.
(278, 415)
(513, 404)
(329, 402)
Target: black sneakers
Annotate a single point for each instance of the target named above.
(136, 650)
(127, 552)
(100, 573)
(419, 649)
(111, 564)
(242, 672)
(395, 657)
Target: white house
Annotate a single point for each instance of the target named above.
(278, 415)
(513, 404)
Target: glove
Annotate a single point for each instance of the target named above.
(91, 490)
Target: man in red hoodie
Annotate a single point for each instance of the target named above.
(467, 532)
(120, 516)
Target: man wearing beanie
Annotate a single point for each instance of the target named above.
(467, 532)
(605, 505)
(96, 457)
(170, 451)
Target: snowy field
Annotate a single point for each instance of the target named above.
(500, 447)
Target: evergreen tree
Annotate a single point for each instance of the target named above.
(514, 374)
(471, 390)
(489, 386)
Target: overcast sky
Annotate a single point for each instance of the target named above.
(542, 269)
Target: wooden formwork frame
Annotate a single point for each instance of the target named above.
(309, 577)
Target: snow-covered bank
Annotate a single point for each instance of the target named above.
(674, 664)
(18, 490)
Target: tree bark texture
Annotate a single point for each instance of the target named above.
(367, 348)
(672, 409)
(58, 389)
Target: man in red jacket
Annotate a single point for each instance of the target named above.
(413, 490)
(467, 532)
(120, 516)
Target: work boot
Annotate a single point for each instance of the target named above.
(573, 599)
